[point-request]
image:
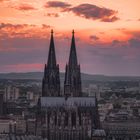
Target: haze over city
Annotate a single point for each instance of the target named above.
(107, 35)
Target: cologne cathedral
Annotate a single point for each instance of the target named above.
(69, 115)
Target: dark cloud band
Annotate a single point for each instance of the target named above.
(57, 4)
(88, 11)
(94, 12)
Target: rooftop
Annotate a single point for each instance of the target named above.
(71, 101)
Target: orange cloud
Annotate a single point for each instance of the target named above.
(90, 36)
(23, 30)
(25, 7)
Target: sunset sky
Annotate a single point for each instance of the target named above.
(107, 34)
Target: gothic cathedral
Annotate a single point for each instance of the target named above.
(67, 116)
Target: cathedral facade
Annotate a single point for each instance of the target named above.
(67, 116)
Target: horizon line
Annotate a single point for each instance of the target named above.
(81, 73)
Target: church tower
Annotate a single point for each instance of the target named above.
(72, 83)
(51, 79)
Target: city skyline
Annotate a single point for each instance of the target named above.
(107, 35)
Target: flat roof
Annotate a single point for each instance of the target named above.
(71, 101)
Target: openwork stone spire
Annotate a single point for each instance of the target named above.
(51, 57)
(72, 84)
(73, 54)
(51, 79)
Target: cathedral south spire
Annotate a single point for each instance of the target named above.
(51, 79)
(73, 54)
(73, 74)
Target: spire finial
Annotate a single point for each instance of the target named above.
(51, 31)
(73, 32)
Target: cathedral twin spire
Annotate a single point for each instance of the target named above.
(73, 55)
(51, 57)
(51, 79)
(72, 74)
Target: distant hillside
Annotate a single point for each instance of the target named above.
(27, 75)
(85, 77)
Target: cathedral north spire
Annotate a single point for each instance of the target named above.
(51, 57)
